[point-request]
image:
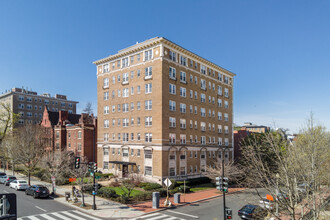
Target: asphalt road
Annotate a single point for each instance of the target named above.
(27, 205)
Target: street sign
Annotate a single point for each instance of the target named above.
(167, 182)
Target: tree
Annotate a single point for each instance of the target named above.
(278, 166)
(30, 147)
(9, 149)
(57, 164)
(7, 119)
(88, 109)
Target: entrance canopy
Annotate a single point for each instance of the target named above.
(122, 162)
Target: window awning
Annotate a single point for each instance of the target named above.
(122, 162)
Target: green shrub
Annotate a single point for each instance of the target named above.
(143, 196)
(107, 192)
(162, 192)
(143, 184)
(152, 186)
(173, 191)
(173, 185)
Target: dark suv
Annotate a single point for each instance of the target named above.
(252, 212)
(37, 191)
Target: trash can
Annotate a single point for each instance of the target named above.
(177, 198)
(155, 200)
(67, 195)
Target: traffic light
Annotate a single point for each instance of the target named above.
(229, 213)
(76, 162)
(218, 183)
(95, 168)
(225, 184)
(90, 167)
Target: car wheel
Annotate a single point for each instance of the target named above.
(34, 196)
(16, 188)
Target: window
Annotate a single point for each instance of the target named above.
(183, 92)
(203, 98)
(79, 134)
(106, 123)
(183, 123)
(21, 98)
(172, 105)
(148, 121)
(210, 99)
(191, 78)
(226, 116)
(138, 121)
(182, 108)
(172, 171)
(148, 73)
(106, 96)
(213, 100)
(132, 150)
(219, 90)
(132, 90)
(209, 112)
(29, 114)
(138, 138)
(147, 55)
(119, 138)
(183, 60)
(203, 114)
(113, 122)
(118, 78)
(21, 121)
(195, 124)
(226, 142)
(182, 171)
(219, 128)
(226, 104)
(138, 57)
(173, 56)
(132, 106)
(219, 76)
(195, 110)
(172, 73)
(190, 109)
(119, 122)
(203, 126)
(148, 105)
(190, 141)
(113, 94)
(191, 124)
(113, 79)
(172, 155)
(132, 121)
(196, 80)
(210, 85)
(105, 165)
(183, 77)
(219, 141)
(105, 137)
(106, 83)
(119, 93)
(113, 108)
(172, 122)
(125, 122)
(226, 80)
(226, 130)
(124, 62)
(118, 106)
(138, 105)
(182, 139)
(172, 138)
(191, 94)
(132, 59)
(148, 88)
(203, 69)
(113, 151)
(79, 147)
(172, 89)
(138, 152)
(125, 107)
(203, 84)
(28, 106)
(125, 139)
(148, 137)
(148, 154)
(125, 92)
(203, 140)
(213, 114)
(125, 78)
(219, 102)
(147, 171)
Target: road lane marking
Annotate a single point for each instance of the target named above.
(158, 217)
(34, 218)
(144, 216)
(41, 208)
(6, 191)
(180, 213)
(72, 215)
(88, 216)
(46, 216)
(60, 216)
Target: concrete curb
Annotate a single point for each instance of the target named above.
(189, 203)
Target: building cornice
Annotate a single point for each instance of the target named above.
(161, 40)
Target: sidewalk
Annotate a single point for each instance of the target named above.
(185, 199)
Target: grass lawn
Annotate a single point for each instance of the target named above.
(120, 192)
(202, 187)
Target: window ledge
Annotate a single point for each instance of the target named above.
(147, 77)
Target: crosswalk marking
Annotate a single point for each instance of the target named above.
(156, 216)
(62, 215)
(47, 217)
(88, 216)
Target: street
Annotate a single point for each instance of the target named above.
(30, 208)
(208, 210)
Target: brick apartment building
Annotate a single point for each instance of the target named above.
(30, 106)
(71, 132)
(163, 111)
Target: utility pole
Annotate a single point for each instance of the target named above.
(94, 171)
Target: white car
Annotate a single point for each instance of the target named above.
(266, 204)
(19, 185)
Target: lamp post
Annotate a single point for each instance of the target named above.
(277, 192)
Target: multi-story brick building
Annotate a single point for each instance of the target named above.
(163, 111)
(70, 132)
(30, 106)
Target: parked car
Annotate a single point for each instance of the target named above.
(19, 185)
(8, 180)
(3, 179)
(250, 211)
(2, 174)
(37, 191)
(266, 204)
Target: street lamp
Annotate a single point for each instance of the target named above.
(277, 192)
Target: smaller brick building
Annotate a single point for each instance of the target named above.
(71, 132)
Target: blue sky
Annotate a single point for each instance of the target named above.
(280, 50)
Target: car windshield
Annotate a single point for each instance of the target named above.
(248, 209)
(22, 181)
(43, 188)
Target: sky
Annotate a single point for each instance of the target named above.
(279, 50)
